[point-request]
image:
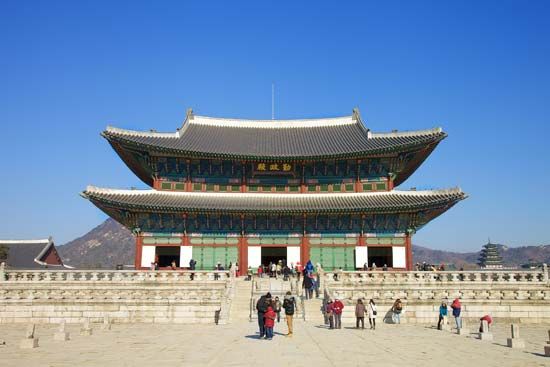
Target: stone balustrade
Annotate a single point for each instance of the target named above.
(112, 276)
(438, 277)
(513, 296)
(52, 296)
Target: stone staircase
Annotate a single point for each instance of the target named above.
(240, 304)
(313, 310)
(246, 294)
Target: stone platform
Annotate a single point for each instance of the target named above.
(237, 345)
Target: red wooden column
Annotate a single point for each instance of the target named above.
(304, 247)
(243, 250)
(243, 178)
(357, 186)
(304, 253)
(139, 245)
(408, 250)
(303, 178)
(390, 183)
(243, 256)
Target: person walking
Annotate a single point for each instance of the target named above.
(286, 273)
(289, 304)
(359, 314)
(309, 267)
(442, 314)
(329, 311)
(308, 285)
(397, 308)
(261, 306)
(372, 314)
(338, 307)
(260, 271)
(277, 308)
(269, 317)
(319, 272)
(456, 306)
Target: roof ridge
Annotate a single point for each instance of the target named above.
(271, 124)
(34, 241)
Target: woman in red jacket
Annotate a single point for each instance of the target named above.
(337, 307)
(269, 322)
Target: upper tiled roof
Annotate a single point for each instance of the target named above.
(388, 201)
(281, 139)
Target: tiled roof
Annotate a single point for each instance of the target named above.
(391, 201)
(283, 139)
(28, 254)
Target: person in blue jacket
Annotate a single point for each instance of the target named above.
(442, 314)
(309, 267)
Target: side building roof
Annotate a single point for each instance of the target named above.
(378, 202)
(32, 254)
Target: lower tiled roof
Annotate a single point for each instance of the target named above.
(392, 201)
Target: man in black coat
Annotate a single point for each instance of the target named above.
(261, 306)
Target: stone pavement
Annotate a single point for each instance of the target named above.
(237, 345)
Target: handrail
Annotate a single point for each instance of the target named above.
(251, 298)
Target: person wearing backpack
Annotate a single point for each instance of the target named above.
(372, 314)
(397, 309)
(261, 306)
(289, 304)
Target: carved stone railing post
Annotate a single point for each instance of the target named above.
(2, 272)
(545, 273)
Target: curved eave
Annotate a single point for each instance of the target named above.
(136, 167)
(413, 165)
(125, 140)
(107, 202)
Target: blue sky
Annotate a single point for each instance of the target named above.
(478, 69)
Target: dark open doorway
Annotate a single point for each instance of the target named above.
(167, 254)
(273, 254)
(381, 256)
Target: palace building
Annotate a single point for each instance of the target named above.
(255, 191)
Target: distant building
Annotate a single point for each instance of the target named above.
(30, 254)
(490, 257)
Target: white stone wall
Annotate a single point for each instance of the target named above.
(508, 296)
(125, 297)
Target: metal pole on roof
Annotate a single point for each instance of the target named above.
(273, 101)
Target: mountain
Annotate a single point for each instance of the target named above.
(105, 246)
(110, 244)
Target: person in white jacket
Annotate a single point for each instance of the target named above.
(372, 314)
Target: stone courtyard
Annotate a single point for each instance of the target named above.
(236, 344)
